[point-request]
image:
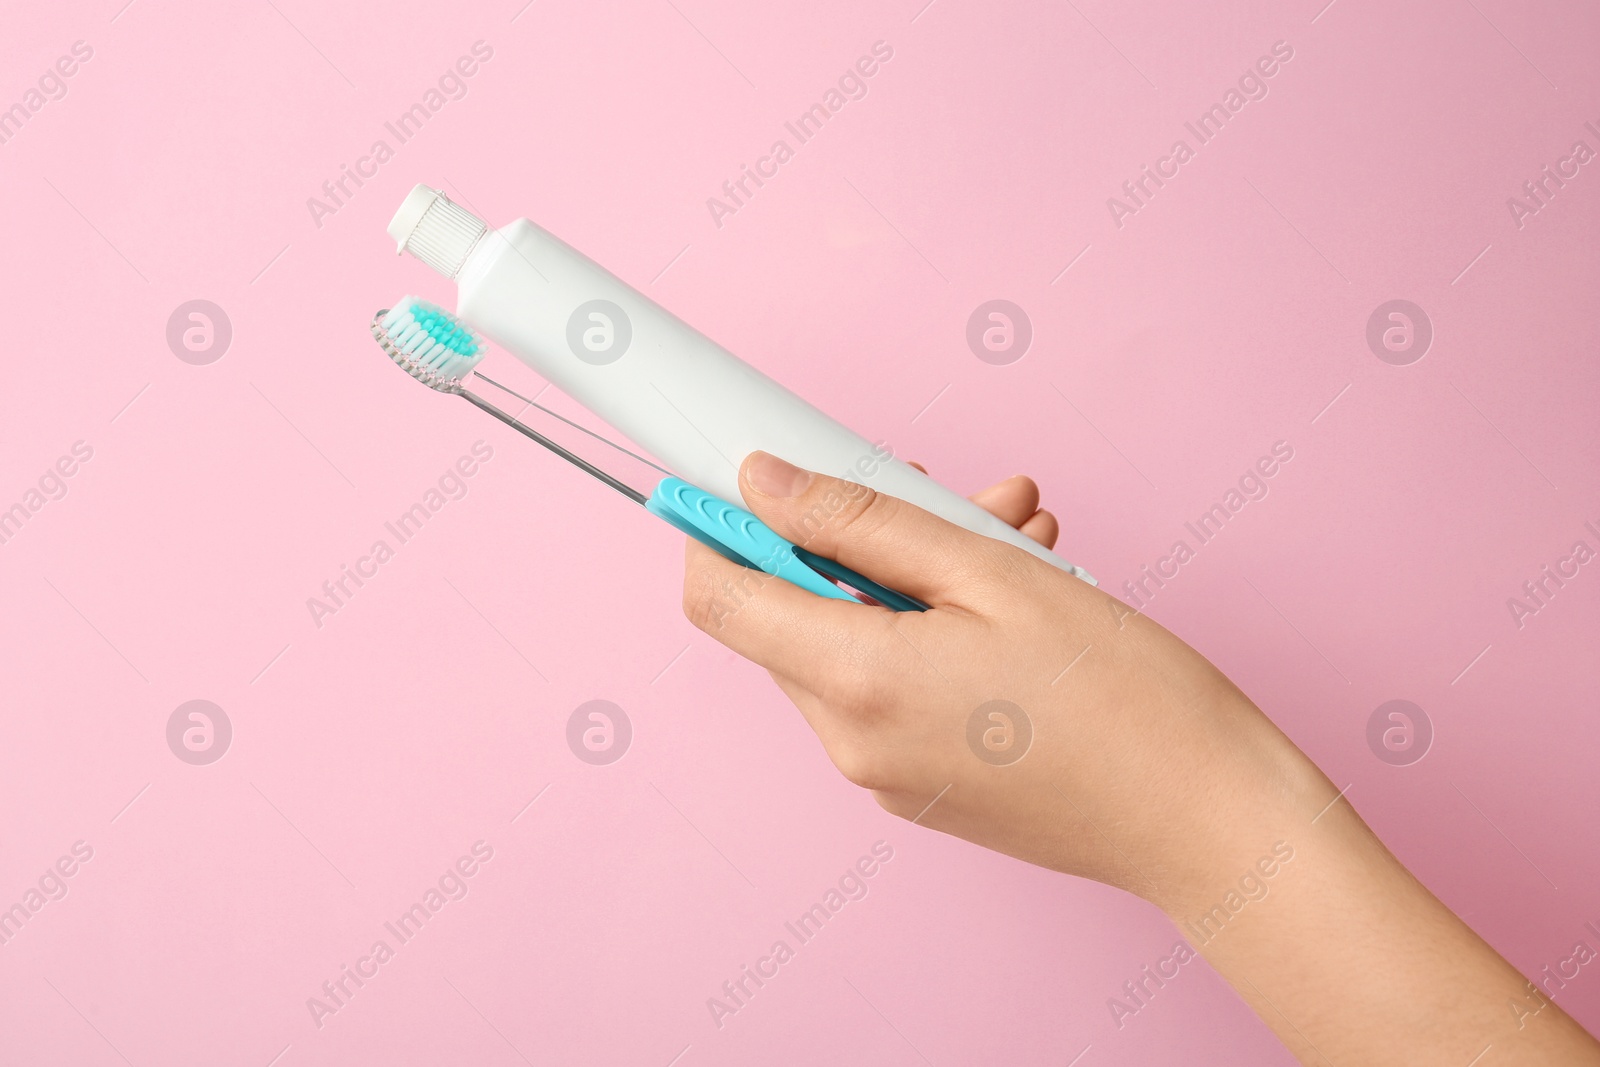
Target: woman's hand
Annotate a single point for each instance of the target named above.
(1033, 714)
(1027, 711)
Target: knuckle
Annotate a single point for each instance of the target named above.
(997, 571)
(715, 590)
(1012, 568)
(697, 605)
(836, 505)
(869, 511)
(701, 603)
(861, 766)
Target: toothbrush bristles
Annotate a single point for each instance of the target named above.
(428, 343)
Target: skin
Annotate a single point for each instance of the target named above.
(1147, 770)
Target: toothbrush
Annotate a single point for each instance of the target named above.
(438, 350)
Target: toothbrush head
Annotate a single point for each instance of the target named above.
(428, 343)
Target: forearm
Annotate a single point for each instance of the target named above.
(1351, 960)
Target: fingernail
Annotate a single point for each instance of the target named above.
(774, 477)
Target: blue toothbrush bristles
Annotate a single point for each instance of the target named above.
(434, 343)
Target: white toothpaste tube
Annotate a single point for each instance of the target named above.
(688, 401)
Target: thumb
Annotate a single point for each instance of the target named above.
(882, 537)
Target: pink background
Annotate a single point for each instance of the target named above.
(369, 754)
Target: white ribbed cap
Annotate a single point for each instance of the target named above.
(435, 230)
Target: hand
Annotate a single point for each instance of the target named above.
(1118, 727)
(1120, 754)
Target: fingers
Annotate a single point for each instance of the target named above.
(829, 647)
(1043, 528)
(1014, 500)
(839, 699)
(884, 538)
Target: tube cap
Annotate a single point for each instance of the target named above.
(435, 230)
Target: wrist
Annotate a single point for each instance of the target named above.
(1258, 822)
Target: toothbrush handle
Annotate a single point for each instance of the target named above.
(748, 541)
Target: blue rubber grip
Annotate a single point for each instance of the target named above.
(748, 541)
